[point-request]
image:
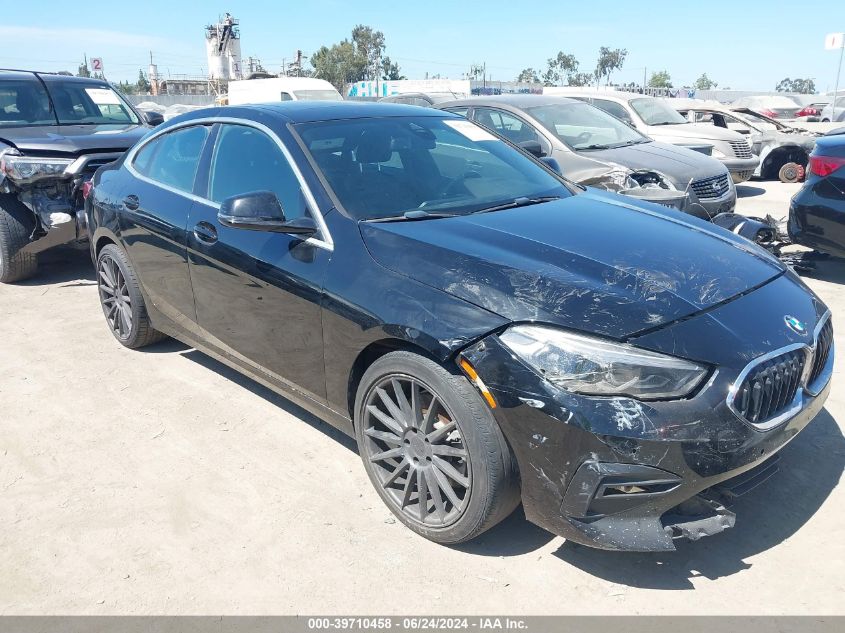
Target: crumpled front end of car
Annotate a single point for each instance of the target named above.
(622, 473)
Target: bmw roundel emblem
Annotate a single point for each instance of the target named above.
(794, 324)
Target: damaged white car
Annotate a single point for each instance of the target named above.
(783, 150)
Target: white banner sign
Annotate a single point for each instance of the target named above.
(97, 64)
(834, 41)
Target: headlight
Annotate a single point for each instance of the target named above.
(717, 154)
(26, 168)
(597, 367)
(617, 179)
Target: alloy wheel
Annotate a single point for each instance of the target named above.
(415, 448)
(114, 295)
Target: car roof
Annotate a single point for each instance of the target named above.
(311, 111)
(435, 97)
(8, 73)
(613, 95)
(515, 100)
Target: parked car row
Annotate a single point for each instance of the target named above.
(596, 149)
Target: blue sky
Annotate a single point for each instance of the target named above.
(744, 45)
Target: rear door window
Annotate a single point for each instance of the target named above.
(172, 159)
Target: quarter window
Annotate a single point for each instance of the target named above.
(616, 109)
(509, 126)
(246, 160)
(172, 158)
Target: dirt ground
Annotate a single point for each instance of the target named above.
(161, 482)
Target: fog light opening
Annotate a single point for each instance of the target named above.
(627, 490)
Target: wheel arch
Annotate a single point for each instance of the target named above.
(376, 350)
(781, 155)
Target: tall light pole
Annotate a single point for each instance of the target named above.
(832, 42)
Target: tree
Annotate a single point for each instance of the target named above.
(369, 45)
(83, 71)
(660, 79)
(339, 65)
(704, 83)
(580, 79)
(142, 85)
(608, 61)
(528, 76)
(559, 69)
(801, 86)
(127, 88)
(390, 70)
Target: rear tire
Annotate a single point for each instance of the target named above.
(122, 301)
(438, 440)
(16, 226)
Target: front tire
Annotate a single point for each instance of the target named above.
(432, 449)
(122, 302)
(15, 229)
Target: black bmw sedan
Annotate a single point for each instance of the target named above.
(487, 331)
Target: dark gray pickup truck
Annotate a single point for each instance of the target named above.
(55, 132)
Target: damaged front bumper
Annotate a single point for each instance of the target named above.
(55, 200)
(620, 474)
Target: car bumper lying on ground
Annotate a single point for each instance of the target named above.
(622, 474)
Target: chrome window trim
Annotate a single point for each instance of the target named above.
(79, 164)
(324, 241)
(797, 403)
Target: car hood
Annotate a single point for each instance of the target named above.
(691, 132)
(594, 262)
(72, 139)
(678, 163)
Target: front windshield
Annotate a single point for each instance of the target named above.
(654, 112)
(25, 102)
(583, 127)
(318, 95)
(388, 166)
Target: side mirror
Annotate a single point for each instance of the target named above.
(533, 147)
(262, 211)
(552, 164)
(153, 118)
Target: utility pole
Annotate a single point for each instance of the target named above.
(836, 90)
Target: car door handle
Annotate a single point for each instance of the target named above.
(205, 232)
(131, 202)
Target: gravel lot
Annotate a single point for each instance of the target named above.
(162, 482)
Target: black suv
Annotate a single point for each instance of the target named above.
(55, 131)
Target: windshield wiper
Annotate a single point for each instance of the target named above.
(522, 201)
(416, 214)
